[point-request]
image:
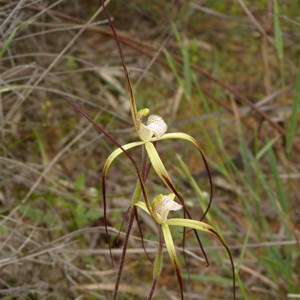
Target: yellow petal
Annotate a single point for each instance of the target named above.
(116, 153)
(143, 206)
(194, 224)
(184, 136)
(156, 162)
(170, 245)
(198, 225)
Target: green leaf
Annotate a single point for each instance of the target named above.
(79, 184)
(186, 64)
(277, 31)
(31, 212)
(292, 126)
(278, 183)
(11, 37)
(85, 215)
(266, 148)
(202, 196)
(171, 63)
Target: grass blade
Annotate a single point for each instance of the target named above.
(294, 116)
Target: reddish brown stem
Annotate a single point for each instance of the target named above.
(123, 255)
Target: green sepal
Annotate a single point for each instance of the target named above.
(116, 153)
(170, 245)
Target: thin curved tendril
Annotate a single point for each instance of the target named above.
(122, 260)
(141, 232)
(207, 170)
(179, 279)
(122, 224)
(99, 128)
(183, 248)
(171, 186)
(231, 261)
(116, 38)
(210, 184)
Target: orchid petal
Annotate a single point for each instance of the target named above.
(143, 206)
(187, 137)
(157, 163)
(170, 245)
(172, 253)
(116, 153)
(198, 225)
(161, 206)
(169, 204)
(145, 133)
(155, 125)
(161, 171)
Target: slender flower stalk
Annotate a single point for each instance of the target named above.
(123, 255)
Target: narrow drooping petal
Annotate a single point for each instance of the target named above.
(155, 125)
(116, 153)
(198, 225)
(187, 137)
(170, 244)
(157, 163)
(143, 206)
(172, 254)
(145, 133)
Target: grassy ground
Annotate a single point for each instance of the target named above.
(224, 72)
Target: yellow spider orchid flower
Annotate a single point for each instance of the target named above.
(159, 210)
(153, 131)
(162, 205)
(155, 126)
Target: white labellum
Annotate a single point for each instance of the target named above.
(155, 125)
(164, 205)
